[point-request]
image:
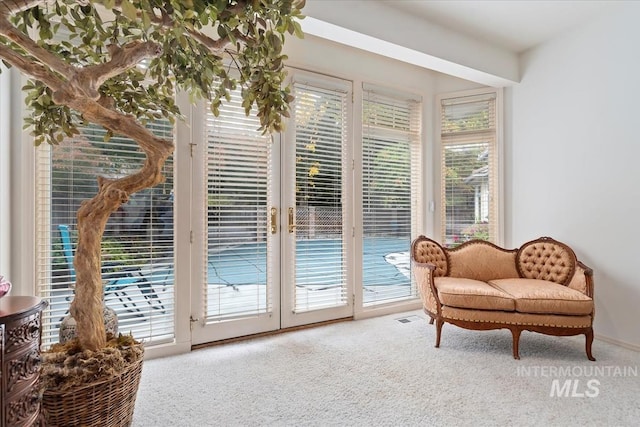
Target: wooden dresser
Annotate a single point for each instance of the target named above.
(20, 360)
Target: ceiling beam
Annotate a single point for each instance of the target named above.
(380, 29)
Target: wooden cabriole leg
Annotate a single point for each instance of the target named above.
(589, 341)
(515, 332)
(439, 324)
(431, 318)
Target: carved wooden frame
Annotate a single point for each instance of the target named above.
(516, 330)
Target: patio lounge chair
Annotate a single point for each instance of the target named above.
(117, 280)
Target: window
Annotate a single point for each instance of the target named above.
(238, 182)
(391, 124)
(469, 192)
(320, 121)
(137, 247)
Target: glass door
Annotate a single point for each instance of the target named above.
(275, 236)
(317, 230)
(236, 272)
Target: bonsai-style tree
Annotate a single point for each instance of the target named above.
(119, 63)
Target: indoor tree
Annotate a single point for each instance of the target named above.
(119, 64)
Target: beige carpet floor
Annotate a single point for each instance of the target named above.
(384, 372)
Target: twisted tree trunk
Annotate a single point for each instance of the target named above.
(93, 214)
(92, 217)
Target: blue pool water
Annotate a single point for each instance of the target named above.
(318, 263)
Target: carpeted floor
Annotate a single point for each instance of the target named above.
(383, 372)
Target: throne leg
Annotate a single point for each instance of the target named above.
(589, 341)
(515, 332)
(439, 324)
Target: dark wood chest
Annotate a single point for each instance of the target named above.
(20, 360)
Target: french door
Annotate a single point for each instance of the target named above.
(275, 235)
(267, 242)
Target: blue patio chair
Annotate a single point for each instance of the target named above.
(119, 279)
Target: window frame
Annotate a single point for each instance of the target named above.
(395, 100)
(498, 190)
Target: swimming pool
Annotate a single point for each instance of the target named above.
(319, 262)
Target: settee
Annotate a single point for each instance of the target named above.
(539, 287)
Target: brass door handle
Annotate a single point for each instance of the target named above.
(292, 225)
(274, 220)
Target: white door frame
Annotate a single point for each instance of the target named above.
(290, 317)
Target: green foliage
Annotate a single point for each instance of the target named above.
(216, 200)
(81, 34)
(460, 164)
(479, 120)
(391, 174)
(479, 230)
(318, 172)
(115, 252)
(49, 122)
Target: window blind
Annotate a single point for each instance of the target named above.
(320, 137)
(239, 168)
(137, 246)
(469, 168)
(391, 130)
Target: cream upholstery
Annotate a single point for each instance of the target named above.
(469, 293)
(430, 252)
(542, 296)
(545, 260)
(489, 262)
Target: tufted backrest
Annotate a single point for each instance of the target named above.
(481, 260)
(546, 259)
(425, 250)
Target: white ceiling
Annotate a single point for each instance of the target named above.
(516, 25)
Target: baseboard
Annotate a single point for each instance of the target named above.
(268, 333)
(619, 343)
(385, 309)
(164, 350)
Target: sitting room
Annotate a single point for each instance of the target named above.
(319, 212)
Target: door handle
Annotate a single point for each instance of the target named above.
(292, 225)
(274, 220)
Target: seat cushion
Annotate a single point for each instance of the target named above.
(542, 296)
(469, 293)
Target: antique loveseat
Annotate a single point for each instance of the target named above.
(540, 287)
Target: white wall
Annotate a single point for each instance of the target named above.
(16, 188)
(338, 60)
(413, 39)
(573, 159)
(5, 109)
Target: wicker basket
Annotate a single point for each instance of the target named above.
(105, 403)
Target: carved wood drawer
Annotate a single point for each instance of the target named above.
(20, 360)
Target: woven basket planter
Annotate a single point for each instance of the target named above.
(104, 403)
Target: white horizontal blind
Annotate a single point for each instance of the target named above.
(469, 168)
(391, 126)
(137, 247)
(320, 128)
(238, 183)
